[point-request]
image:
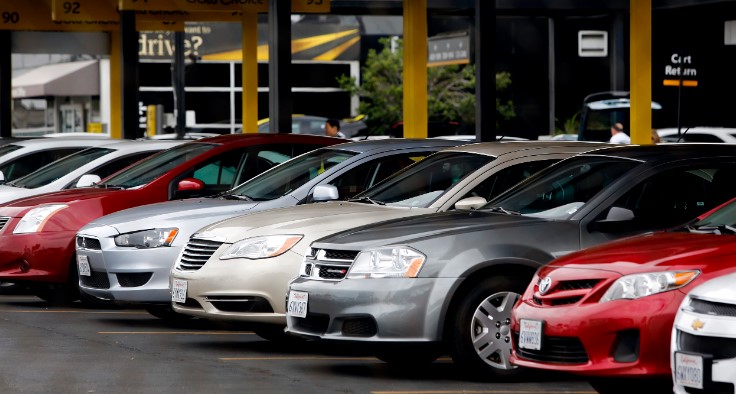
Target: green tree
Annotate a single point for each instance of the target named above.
(450, 90)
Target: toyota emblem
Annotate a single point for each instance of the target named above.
(544, 285)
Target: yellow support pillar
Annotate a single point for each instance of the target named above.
(640, 71)
(116, 105)
(250, 72)
(415, 68)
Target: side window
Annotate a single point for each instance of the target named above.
(506, 178)
(699, 137)
(262, 159)
(23, 166)
(367, 174)
(676, 196)
(218, 173)
(114, 166)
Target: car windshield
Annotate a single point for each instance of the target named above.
(286, 177)
(59, 168)
(722, 221)
(423, 183)
(156, 165)
(563, 189)
(5, 149)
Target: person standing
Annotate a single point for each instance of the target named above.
(332, 128)
(618, 136)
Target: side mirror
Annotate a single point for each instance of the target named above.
(87, 180)
(618, 220)
(325, 193)
(189, 184)
(470, 203)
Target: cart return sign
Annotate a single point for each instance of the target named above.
(680, 71)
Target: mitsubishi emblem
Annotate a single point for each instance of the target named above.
(544, 285)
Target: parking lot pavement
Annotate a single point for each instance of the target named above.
(81, 350)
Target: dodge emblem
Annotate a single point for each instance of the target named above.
(544, 285)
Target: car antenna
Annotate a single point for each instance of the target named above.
(682, 134)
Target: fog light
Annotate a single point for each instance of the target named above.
(25, 266)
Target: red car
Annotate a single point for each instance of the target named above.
(37, 234)
(607, 312)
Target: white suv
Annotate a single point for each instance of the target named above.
(698, 134)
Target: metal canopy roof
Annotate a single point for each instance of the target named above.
(61, 79)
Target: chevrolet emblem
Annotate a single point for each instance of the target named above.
(697, 324)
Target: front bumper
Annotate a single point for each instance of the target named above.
(408, 310)
(715, 337)
(128, 275)
(36, 257)
(239, 289)
(616, 338)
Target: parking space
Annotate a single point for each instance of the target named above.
(77, 349)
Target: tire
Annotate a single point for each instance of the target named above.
(407, 357)
(167, 313)
(480, 346)
(61, 293)
(622, 385)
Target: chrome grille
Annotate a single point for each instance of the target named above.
(3, 221)
(712, 308)
(328, 264)
(196, 253)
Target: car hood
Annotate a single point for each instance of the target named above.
(10, 193)
(195, 212)
(407, 230)
(720, 289)
(651, 252)
(18, 207)
(311, 220)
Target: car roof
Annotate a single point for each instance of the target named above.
(395, 143)
(662, 153)
(43, 143)
(501, 148)
(144, 144)
(260, 137)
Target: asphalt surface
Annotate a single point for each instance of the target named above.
(77, 349)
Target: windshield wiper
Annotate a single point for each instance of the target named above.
(242, 197)
(502, 210)
(367, 199)
(106, 186)
(718, 229)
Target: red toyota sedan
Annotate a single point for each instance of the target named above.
(37, 234)
(607, 312)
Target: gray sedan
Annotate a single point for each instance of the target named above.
(448, 281)
(135, 249)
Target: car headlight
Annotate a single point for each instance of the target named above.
(261, 247)
(153, 238)
(34, 220)
(391, 262)
(631, 287)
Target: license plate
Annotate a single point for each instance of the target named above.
(83, 265)
(530, 334)
(689, 370)
(179, 291)
(297, 304)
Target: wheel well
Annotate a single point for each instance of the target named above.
(519, 271)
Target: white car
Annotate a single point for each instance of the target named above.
(239, 269)
(20, 158)
(703, 351)
(83, 168)
(698, 134)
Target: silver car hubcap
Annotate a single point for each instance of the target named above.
(491, 329)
